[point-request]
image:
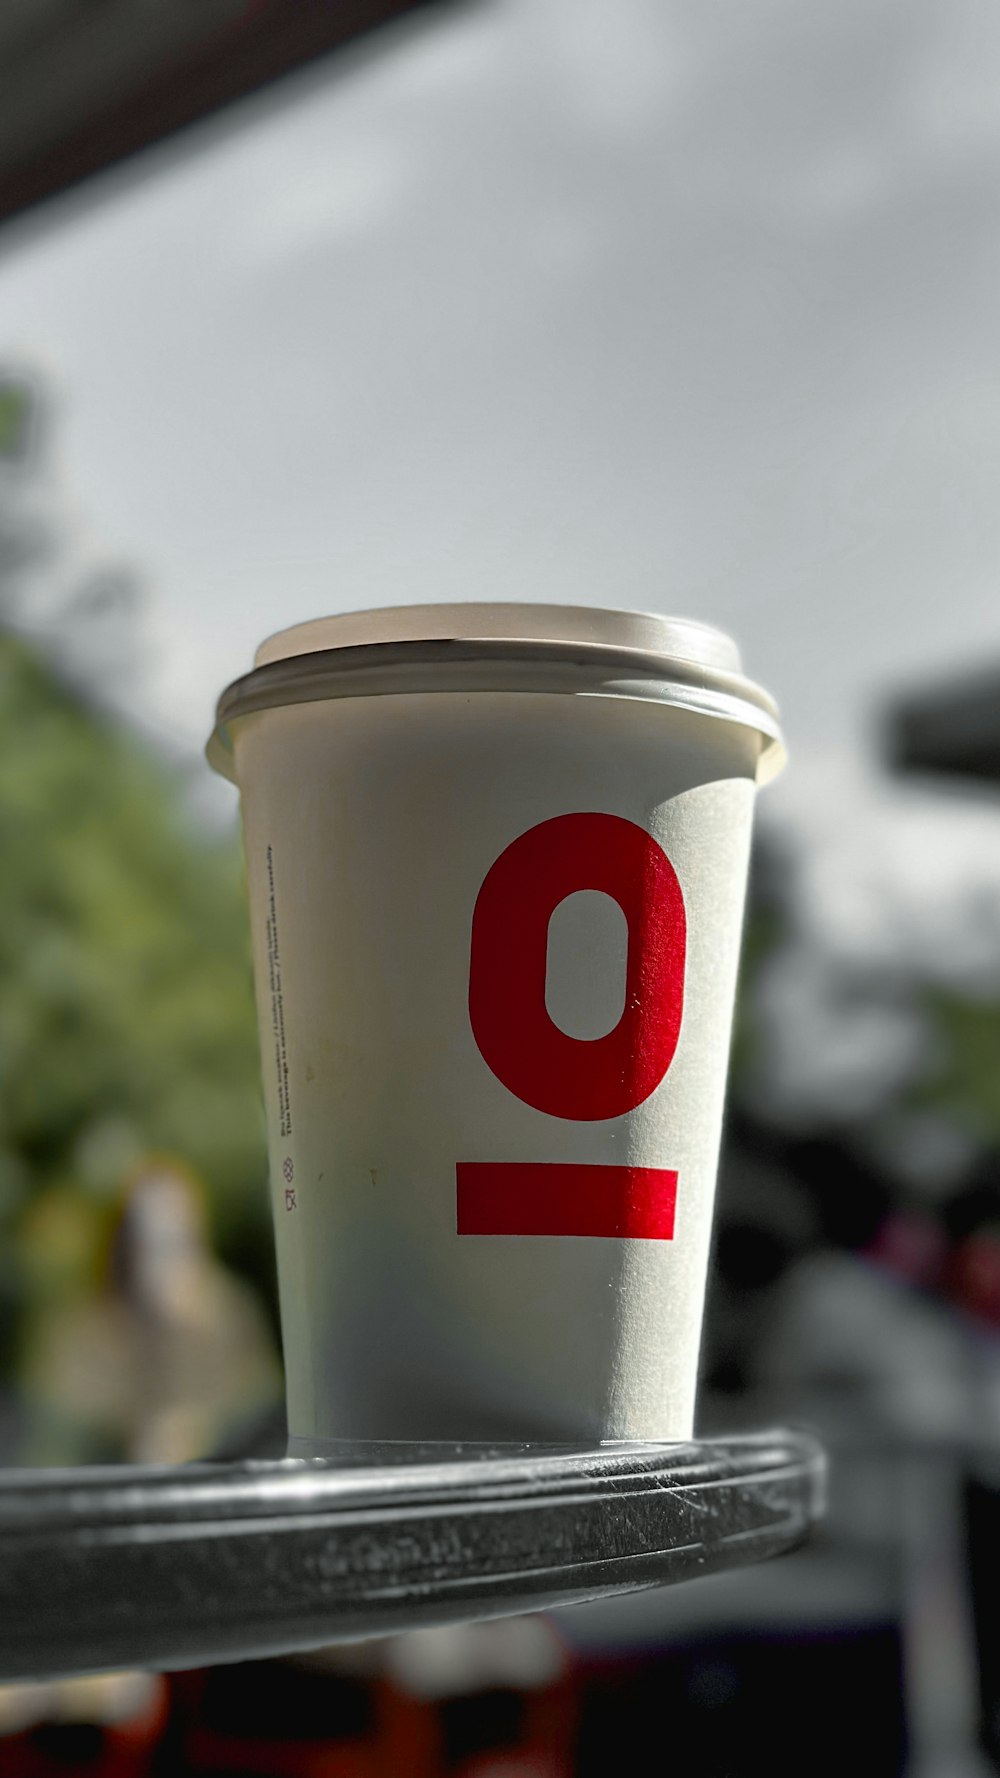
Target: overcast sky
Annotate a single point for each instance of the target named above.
(691, 305)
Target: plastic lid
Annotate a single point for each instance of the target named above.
(678, 638)
(509, 646)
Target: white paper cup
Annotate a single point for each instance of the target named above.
(497, 860)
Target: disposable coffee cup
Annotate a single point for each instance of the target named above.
(497, 860)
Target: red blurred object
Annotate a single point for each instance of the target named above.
(282, 1720)
(911, 1245)
(67, 1736)
(974, 1276)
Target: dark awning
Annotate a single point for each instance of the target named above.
(87, 83)
(952, 728)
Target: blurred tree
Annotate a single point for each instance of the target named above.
(17, 414)
(82, 610)
(126, 1008)
(962, 1079)
(127, 1026)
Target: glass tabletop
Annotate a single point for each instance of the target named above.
(152, 1567)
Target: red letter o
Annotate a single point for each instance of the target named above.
(571, 1077)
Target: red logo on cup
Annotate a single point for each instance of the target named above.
(578, 1079)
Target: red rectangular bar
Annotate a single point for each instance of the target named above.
(565, 1198)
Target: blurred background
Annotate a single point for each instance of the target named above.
(686, 307)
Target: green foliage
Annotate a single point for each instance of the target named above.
(126, 1004)
(15, 415)
(765, 929)
(964, 1072)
